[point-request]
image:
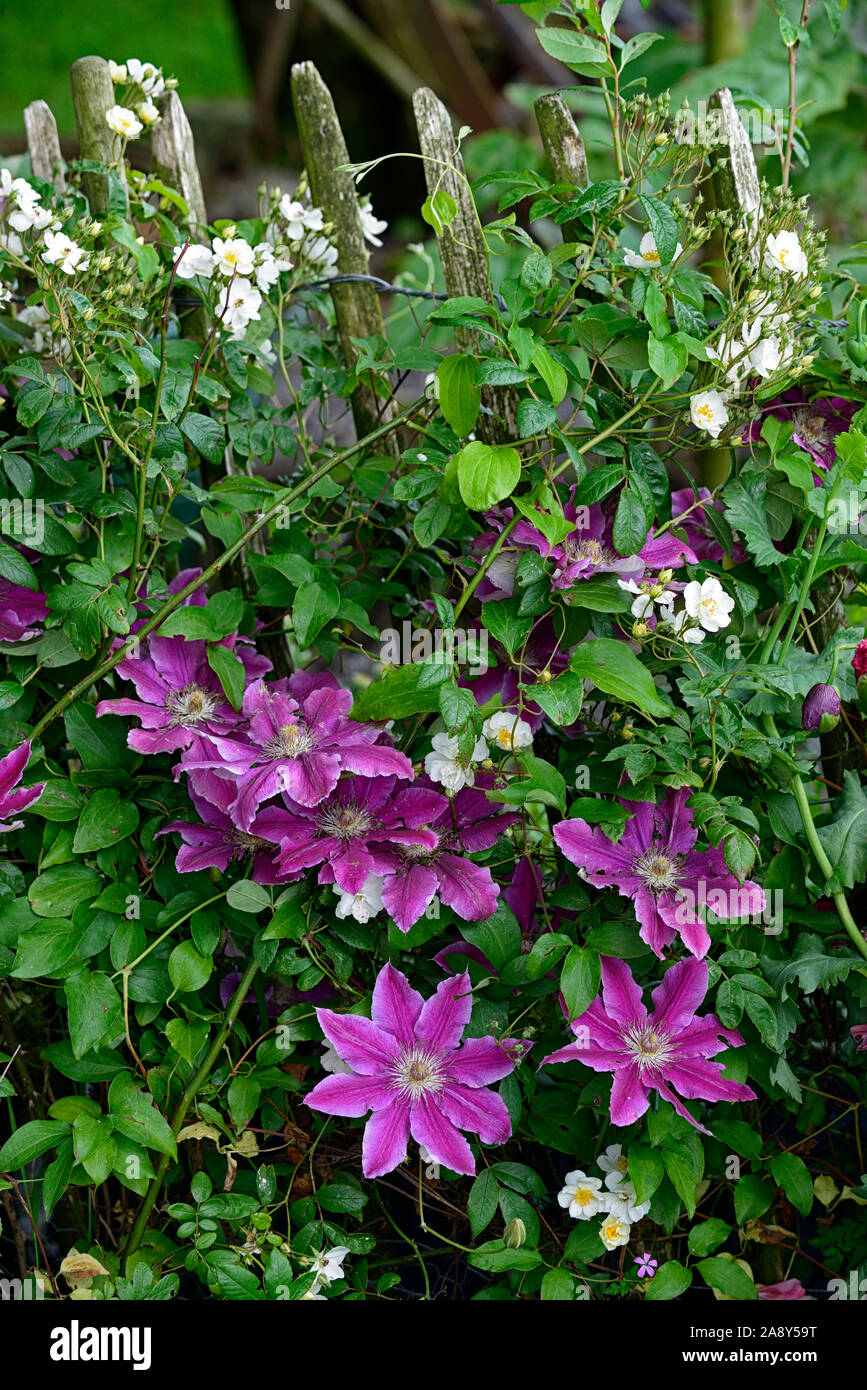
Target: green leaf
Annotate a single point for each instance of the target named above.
(560, 699)
(189, 970)
(206, 435)
(14, 567)
(580, 52)
(663, 224)
(247, 896)
(553, 375)
(495, 1257)
(580, 979)
(667, 357)
(487, 473)
(633, 517)
(670, 1281)
(439, 211)
(431, 521)
(397, 695)
(753, 1195)
(793, 1176)
(482, 1202)
(646, 1170)
(746, 511)
(614, 669)
(314, 606)
(95, 1013)
(61, 889)
(107, 819)
(740, 853)
(31, 1140)
(728, 1278)
(134, 1114)
(459, 396)
(707, 1236)
(229, 670)
(558, 1286)
(844, 840)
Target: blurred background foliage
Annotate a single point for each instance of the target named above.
(232, 58)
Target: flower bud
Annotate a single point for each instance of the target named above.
(515, 1234)
(820, 712)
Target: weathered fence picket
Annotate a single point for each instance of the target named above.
(43, 144)
(92, 97)
(564, 149)
(174, 160)
(332, 188)
(462, 245)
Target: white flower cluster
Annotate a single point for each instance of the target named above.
(234, 260)
(23, 212)
(616, 1201)
(706, 607)
(300, 226)
(761, 344)
(647, 256)
(444, 764)
(146, 82)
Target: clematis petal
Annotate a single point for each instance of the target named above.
(482, 1060)
(446, 1014)
(366, 1048)
(386, 1135)
(444, 1143)
(353, 1096)
(620, 994)
(629, 1098)
(479, 1110)
(676, 1000)
(396, 1005)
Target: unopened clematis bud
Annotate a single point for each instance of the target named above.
(515, 1234)
(820, 712)
(859, 666)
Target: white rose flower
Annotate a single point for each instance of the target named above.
(362, 905)
(622, 1200)
(372, 226)
(234, 256)
(708, 412)
(505, 730)
(329, 1265)
(708, 602)
(147, 76)
(123, 122)
(116, 71)
(268, 266)
(614, 1231)
(582, 1195)
(683, 628)
(148, 112)
(322, 255)
(647, 256)
(443, 765)
(195, 260)
(61, 251)
(239, 306)
(783, 252)
(329, 1061)
(766, 357)
(613, 1161)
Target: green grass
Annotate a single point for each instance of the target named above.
(194, 40)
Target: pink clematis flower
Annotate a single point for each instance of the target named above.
(655, 863)
(409, 1069)
(665, 1051)
(299, 742)
(415, 874)
(216, 841)
(13, 802)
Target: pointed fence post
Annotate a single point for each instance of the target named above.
(737, 183)
(462, 247)
(564, 149)
(174, 159)
(43, 145)
(332, 188)
(92, 96)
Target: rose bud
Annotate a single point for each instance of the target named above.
(820, 712)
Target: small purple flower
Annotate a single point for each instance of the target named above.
(299, 742)
(409, 1069)
(416, 873)
(646, 1266)
(347, 831)
(665, 1051)
(21, 612)
(656, 865)
(181, 704)
(12, 802)
(820, 712)
(216, 841)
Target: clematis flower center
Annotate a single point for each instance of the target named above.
(813, 429)
(658, 871)
(418, 1072)
(292, 741)
(651, 1047)
(347, 822)
(251, 844)
(190, 706)
(420, 854)
(591, 550)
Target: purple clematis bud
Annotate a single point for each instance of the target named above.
(820, 712)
